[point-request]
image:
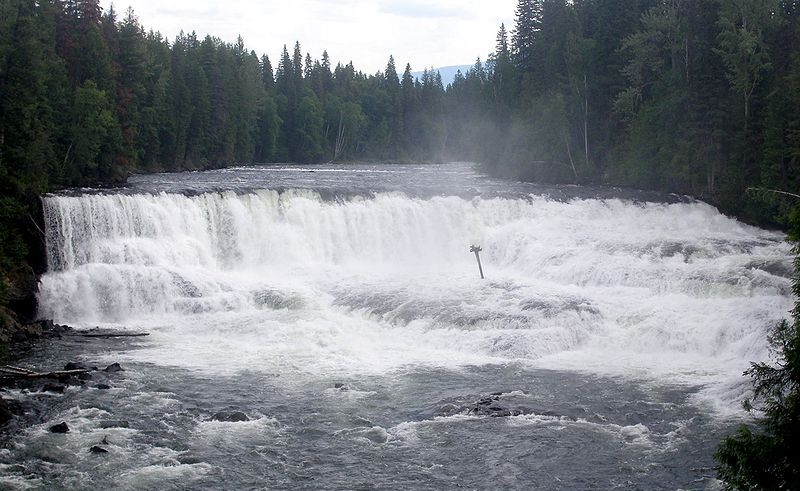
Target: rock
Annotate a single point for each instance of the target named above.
(189, 460)
(449, 410)
(96, 449)
(495, 405)
(57, 388)
(102, 386)
(114, 423)
(60, 428)
(50, 329)
(113, 368)
(27, 332)
(230, 417)
(46, 324)
(75, 366)
(487, 401)
(5, 412)
(74, 380)
(338, 385)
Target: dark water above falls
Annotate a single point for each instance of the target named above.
(339, 308)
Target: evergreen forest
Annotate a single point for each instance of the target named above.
(700, 97)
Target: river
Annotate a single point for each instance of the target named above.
(341, 310)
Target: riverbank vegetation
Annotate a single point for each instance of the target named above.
(690, 97)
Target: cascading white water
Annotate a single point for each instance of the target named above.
(675, 290)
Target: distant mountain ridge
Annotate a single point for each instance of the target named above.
(448, 73)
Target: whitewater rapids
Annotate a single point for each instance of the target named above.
(278, 280)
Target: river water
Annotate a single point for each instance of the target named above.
(340, 309)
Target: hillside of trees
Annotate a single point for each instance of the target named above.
(696, 97)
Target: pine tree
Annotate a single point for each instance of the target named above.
(266, 73)
(524, 37)
(503, 72)
(327, 76)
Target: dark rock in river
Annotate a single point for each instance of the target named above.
(79, 379)
(230, 417)
(26, 332)
(96, 449)
(114, 423)
(57, 388)
(5, 412)
(75, 366)
(50, 329)
(495, 405)
(114, 367)
(60, 428)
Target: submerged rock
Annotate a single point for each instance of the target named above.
(495, 405)
(114, 367)
(5, 412)
(102, 386)
(57, 388)
(60, 428)
(97, 449)
(114, 423)
(230, 417)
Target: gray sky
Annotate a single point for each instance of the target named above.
(424, 33)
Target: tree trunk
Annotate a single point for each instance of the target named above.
(585, 122)
(339, 138)
(569, 154)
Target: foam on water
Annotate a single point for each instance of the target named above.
(284, 280)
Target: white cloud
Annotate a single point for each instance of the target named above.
(423, 33)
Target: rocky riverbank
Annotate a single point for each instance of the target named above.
(16, 337)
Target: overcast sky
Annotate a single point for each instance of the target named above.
(424, 33)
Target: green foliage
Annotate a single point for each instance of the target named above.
(93, 121)
(12, 246)
(742, 44)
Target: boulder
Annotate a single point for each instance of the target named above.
(114, 423)
(230, 417)
(5, 412)
(57, 388)
(60, 428)
(494, 405)
(113, 368)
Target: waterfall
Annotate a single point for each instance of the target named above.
(608, 277)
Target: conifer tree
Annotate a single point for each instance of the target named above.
(528, 27)
(267, 76)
